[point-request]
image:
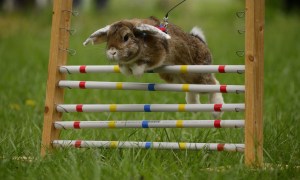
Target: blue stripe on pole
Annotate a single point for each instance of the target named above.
(148, 145)
(145, 124)
(147, 108)
(151, 87)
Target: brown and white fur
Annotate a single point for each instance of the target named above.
(137, 45)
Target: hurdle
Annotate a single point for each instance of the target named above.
(152, 87)
(149, 145)
(165, 69)
(252, 108)
(150, 124)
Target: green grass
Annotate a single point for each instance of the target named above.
(24, 47)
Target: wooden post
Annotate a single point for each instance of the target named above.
(254, 77)
(62, 11)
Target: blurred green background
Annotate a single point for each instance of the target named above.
(24, 50)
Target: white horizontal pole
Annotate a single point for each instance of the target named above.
(149, 145)
(150, 124)
(201, 88)
(149, 107)
(165, 69)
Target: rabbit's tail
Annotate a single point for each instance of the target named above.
(198, 33)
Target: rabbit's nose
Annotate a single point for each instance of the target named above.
(112, 52)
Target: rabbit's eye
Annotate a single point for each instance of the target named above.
(125, 38)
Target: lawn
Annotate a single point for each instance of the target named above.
(24, 51)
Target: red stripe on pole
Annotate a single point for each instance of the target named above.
(78, 144)
(220, 147)
(223, 88)
(76, 125)
(79, 107)
(82, 84)
(82, 69)
(218, 107)
(221, 69)
(217, 123)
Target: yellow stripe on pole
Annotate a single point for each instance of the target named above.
(119, 85)
(182, 145)
(179, 123)
(116, 69)
(186, 87)
(181, 107)
(112, 108)
(114, 144)
(183, 69)
(112, 124)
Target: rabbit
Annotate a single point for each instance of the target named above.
(138, 45)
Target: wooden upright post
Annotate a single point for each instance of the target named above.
(62, 11)
(254, 77)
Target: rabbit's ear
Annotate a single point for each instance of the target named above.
(98, 36)
(152, 30)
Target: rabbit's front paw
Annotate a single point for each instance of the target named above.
(132, 69)
(138, 70)
(125, 70)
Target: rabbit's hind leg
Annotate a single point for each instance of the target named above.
(216, 98)
(192, 98)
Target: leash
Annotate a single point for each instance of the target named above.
(164, 26)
